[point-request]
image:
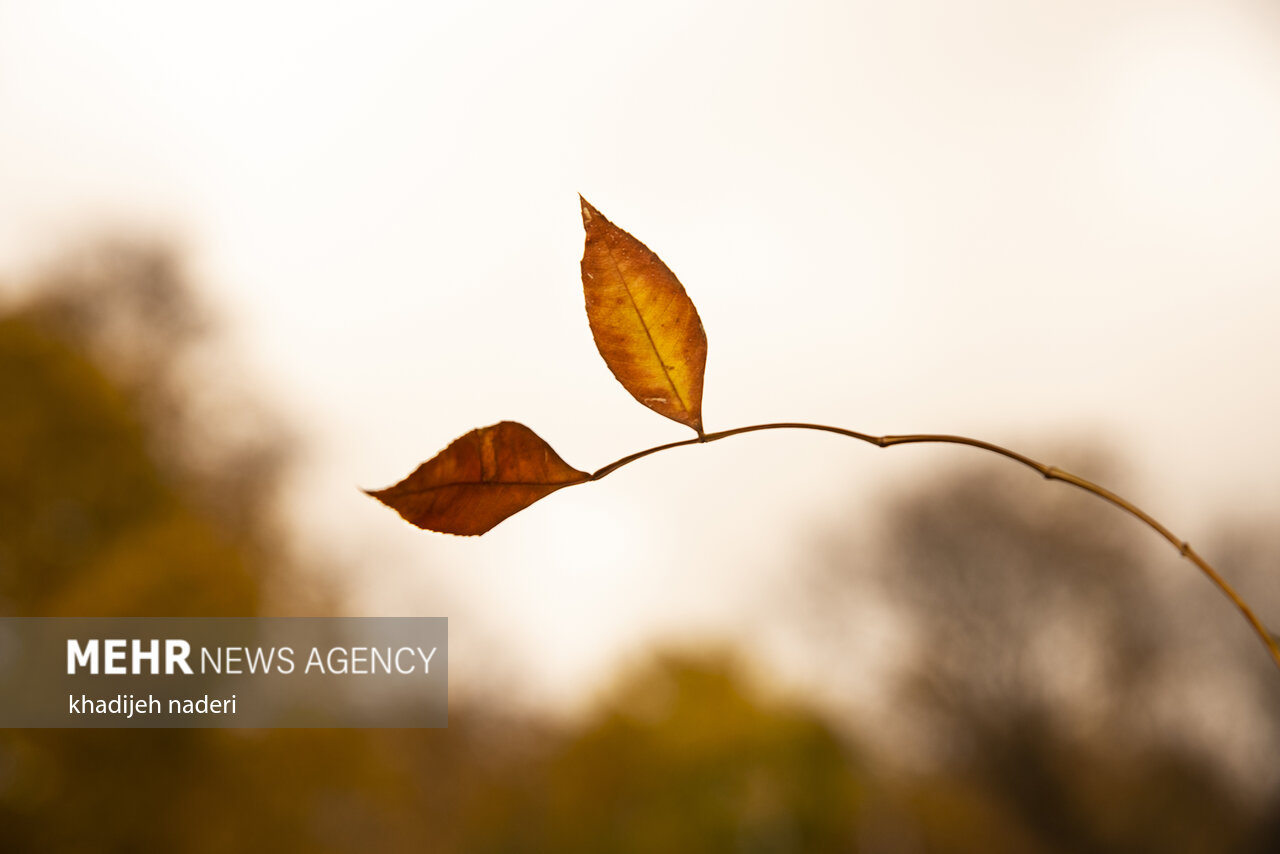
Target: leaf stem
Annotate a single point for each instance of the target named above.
(1048, 472)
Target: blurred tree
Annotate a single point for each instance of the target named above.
(682, 757)
(115, 497)
(133, 483)
(1042, 648)
(118, 496)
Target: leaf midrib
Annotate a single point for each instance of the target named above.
(645, 326)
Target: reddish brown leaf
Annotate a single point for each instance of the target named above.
(643, 322)
(479, 480)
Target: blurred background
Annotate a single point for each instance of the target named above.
(255, 257)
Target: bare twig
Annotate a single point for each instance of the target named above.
(1048, 472)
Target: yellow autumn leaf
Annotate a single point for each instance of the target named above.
(643, 322)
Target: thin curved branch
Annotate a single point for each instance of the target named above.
(1048, 472)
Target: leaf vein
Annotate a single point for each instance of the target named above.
(653, 344)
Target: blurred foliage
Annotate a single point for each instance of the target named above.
(1052, 648)
(682, 757)
(135, 480)
(119, 496)
(113, 498)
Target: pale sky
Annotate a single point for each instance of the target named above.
(1009, 220)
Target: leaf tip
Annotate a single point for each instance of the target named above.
(384, 496)
(588, 211)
